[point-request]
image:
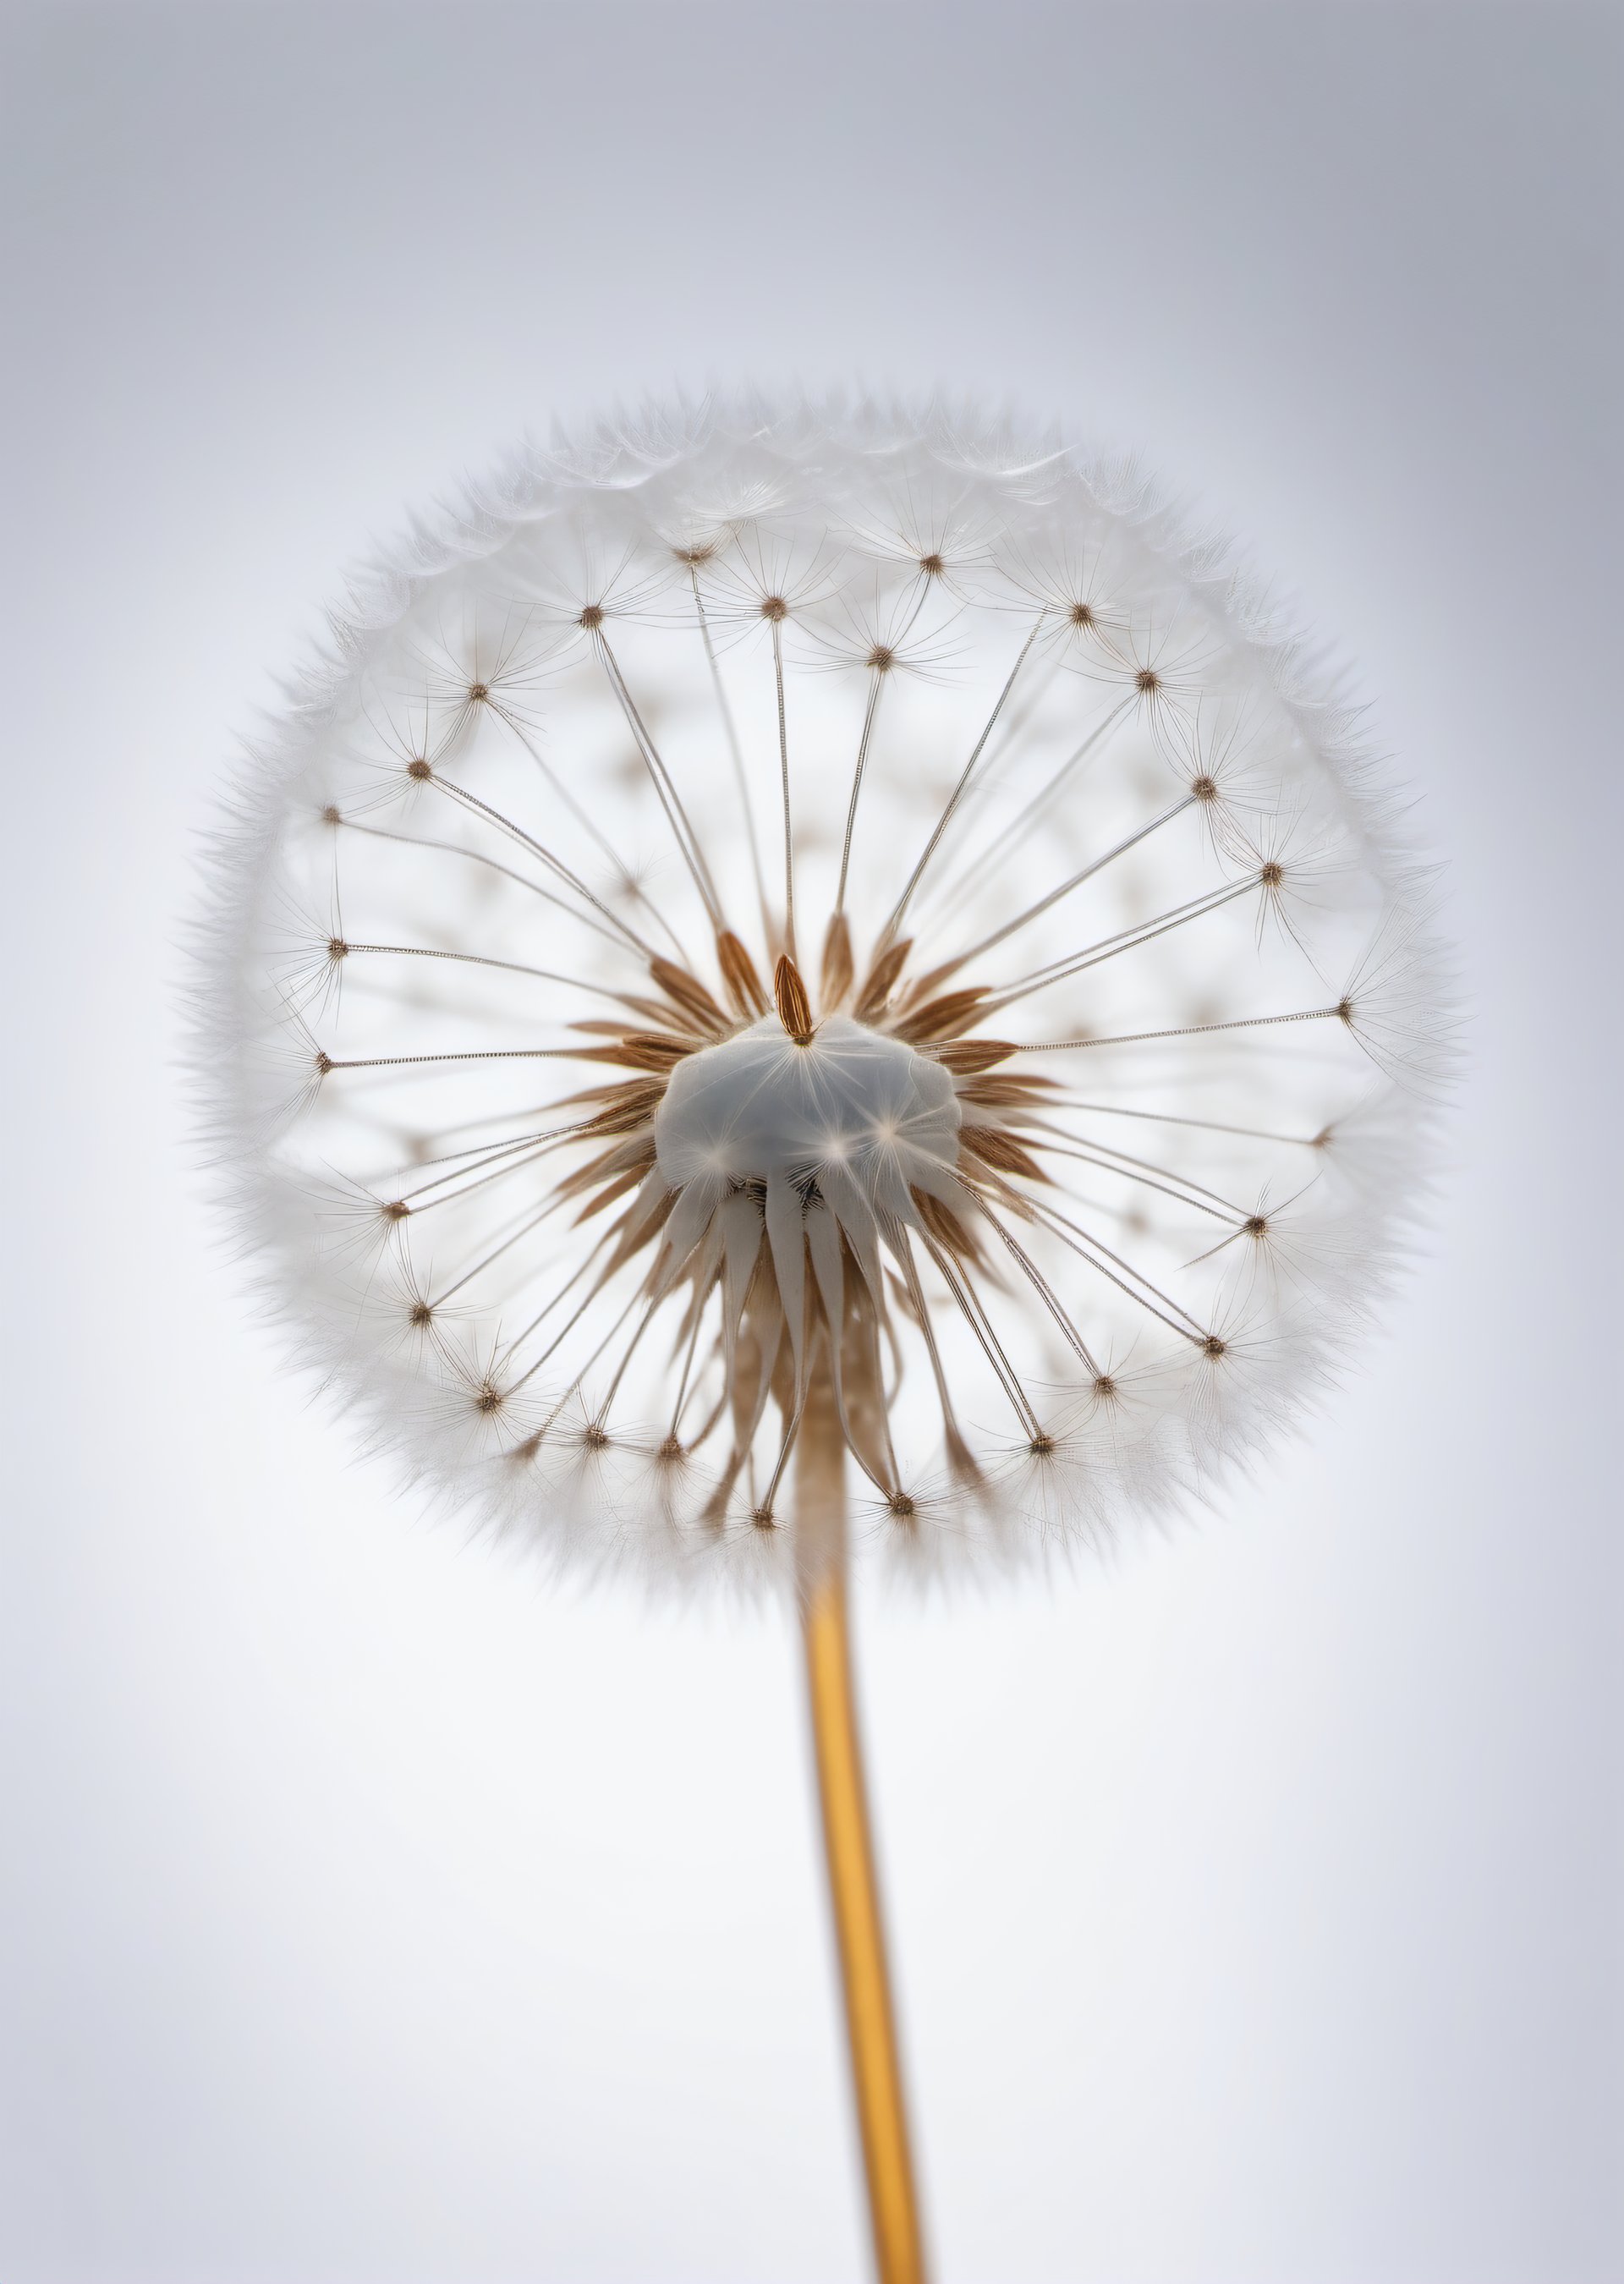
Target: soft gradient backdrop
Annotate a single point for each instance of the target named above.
(373, 1916)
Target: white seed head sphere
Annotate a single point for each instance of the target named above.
(851, 1102)
(833, 918)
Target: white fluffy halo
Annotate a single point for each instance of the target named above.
(775, 889)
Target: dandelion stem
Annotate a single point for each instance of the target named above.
(854, 1888)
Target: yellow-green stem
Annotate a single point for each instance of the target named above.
(854, 1888)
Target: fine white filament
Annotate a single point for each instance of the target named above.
(773, 890)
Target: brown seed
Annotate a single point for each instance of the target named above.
(944, 1226)
(968, 1056)
(794, 1006)
(938, 1019)
(643, 1051)
(744, 985)
(636, 1105)
(1016, 1090)
(995, 1149)
(688, 993)
(836, 970)
(881, 976)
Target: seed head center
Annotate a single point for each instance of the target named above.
(852, 1103)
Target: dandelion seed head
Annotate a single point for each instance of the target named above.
(806, 921)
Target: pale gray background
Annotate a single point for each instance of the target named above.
(373, 1916)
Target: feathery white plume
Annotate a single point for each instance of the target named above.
(777, 883)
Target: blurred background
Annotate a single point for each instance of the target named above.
(371, 1913)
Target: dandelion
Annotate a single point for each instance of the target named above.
(808, 985)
